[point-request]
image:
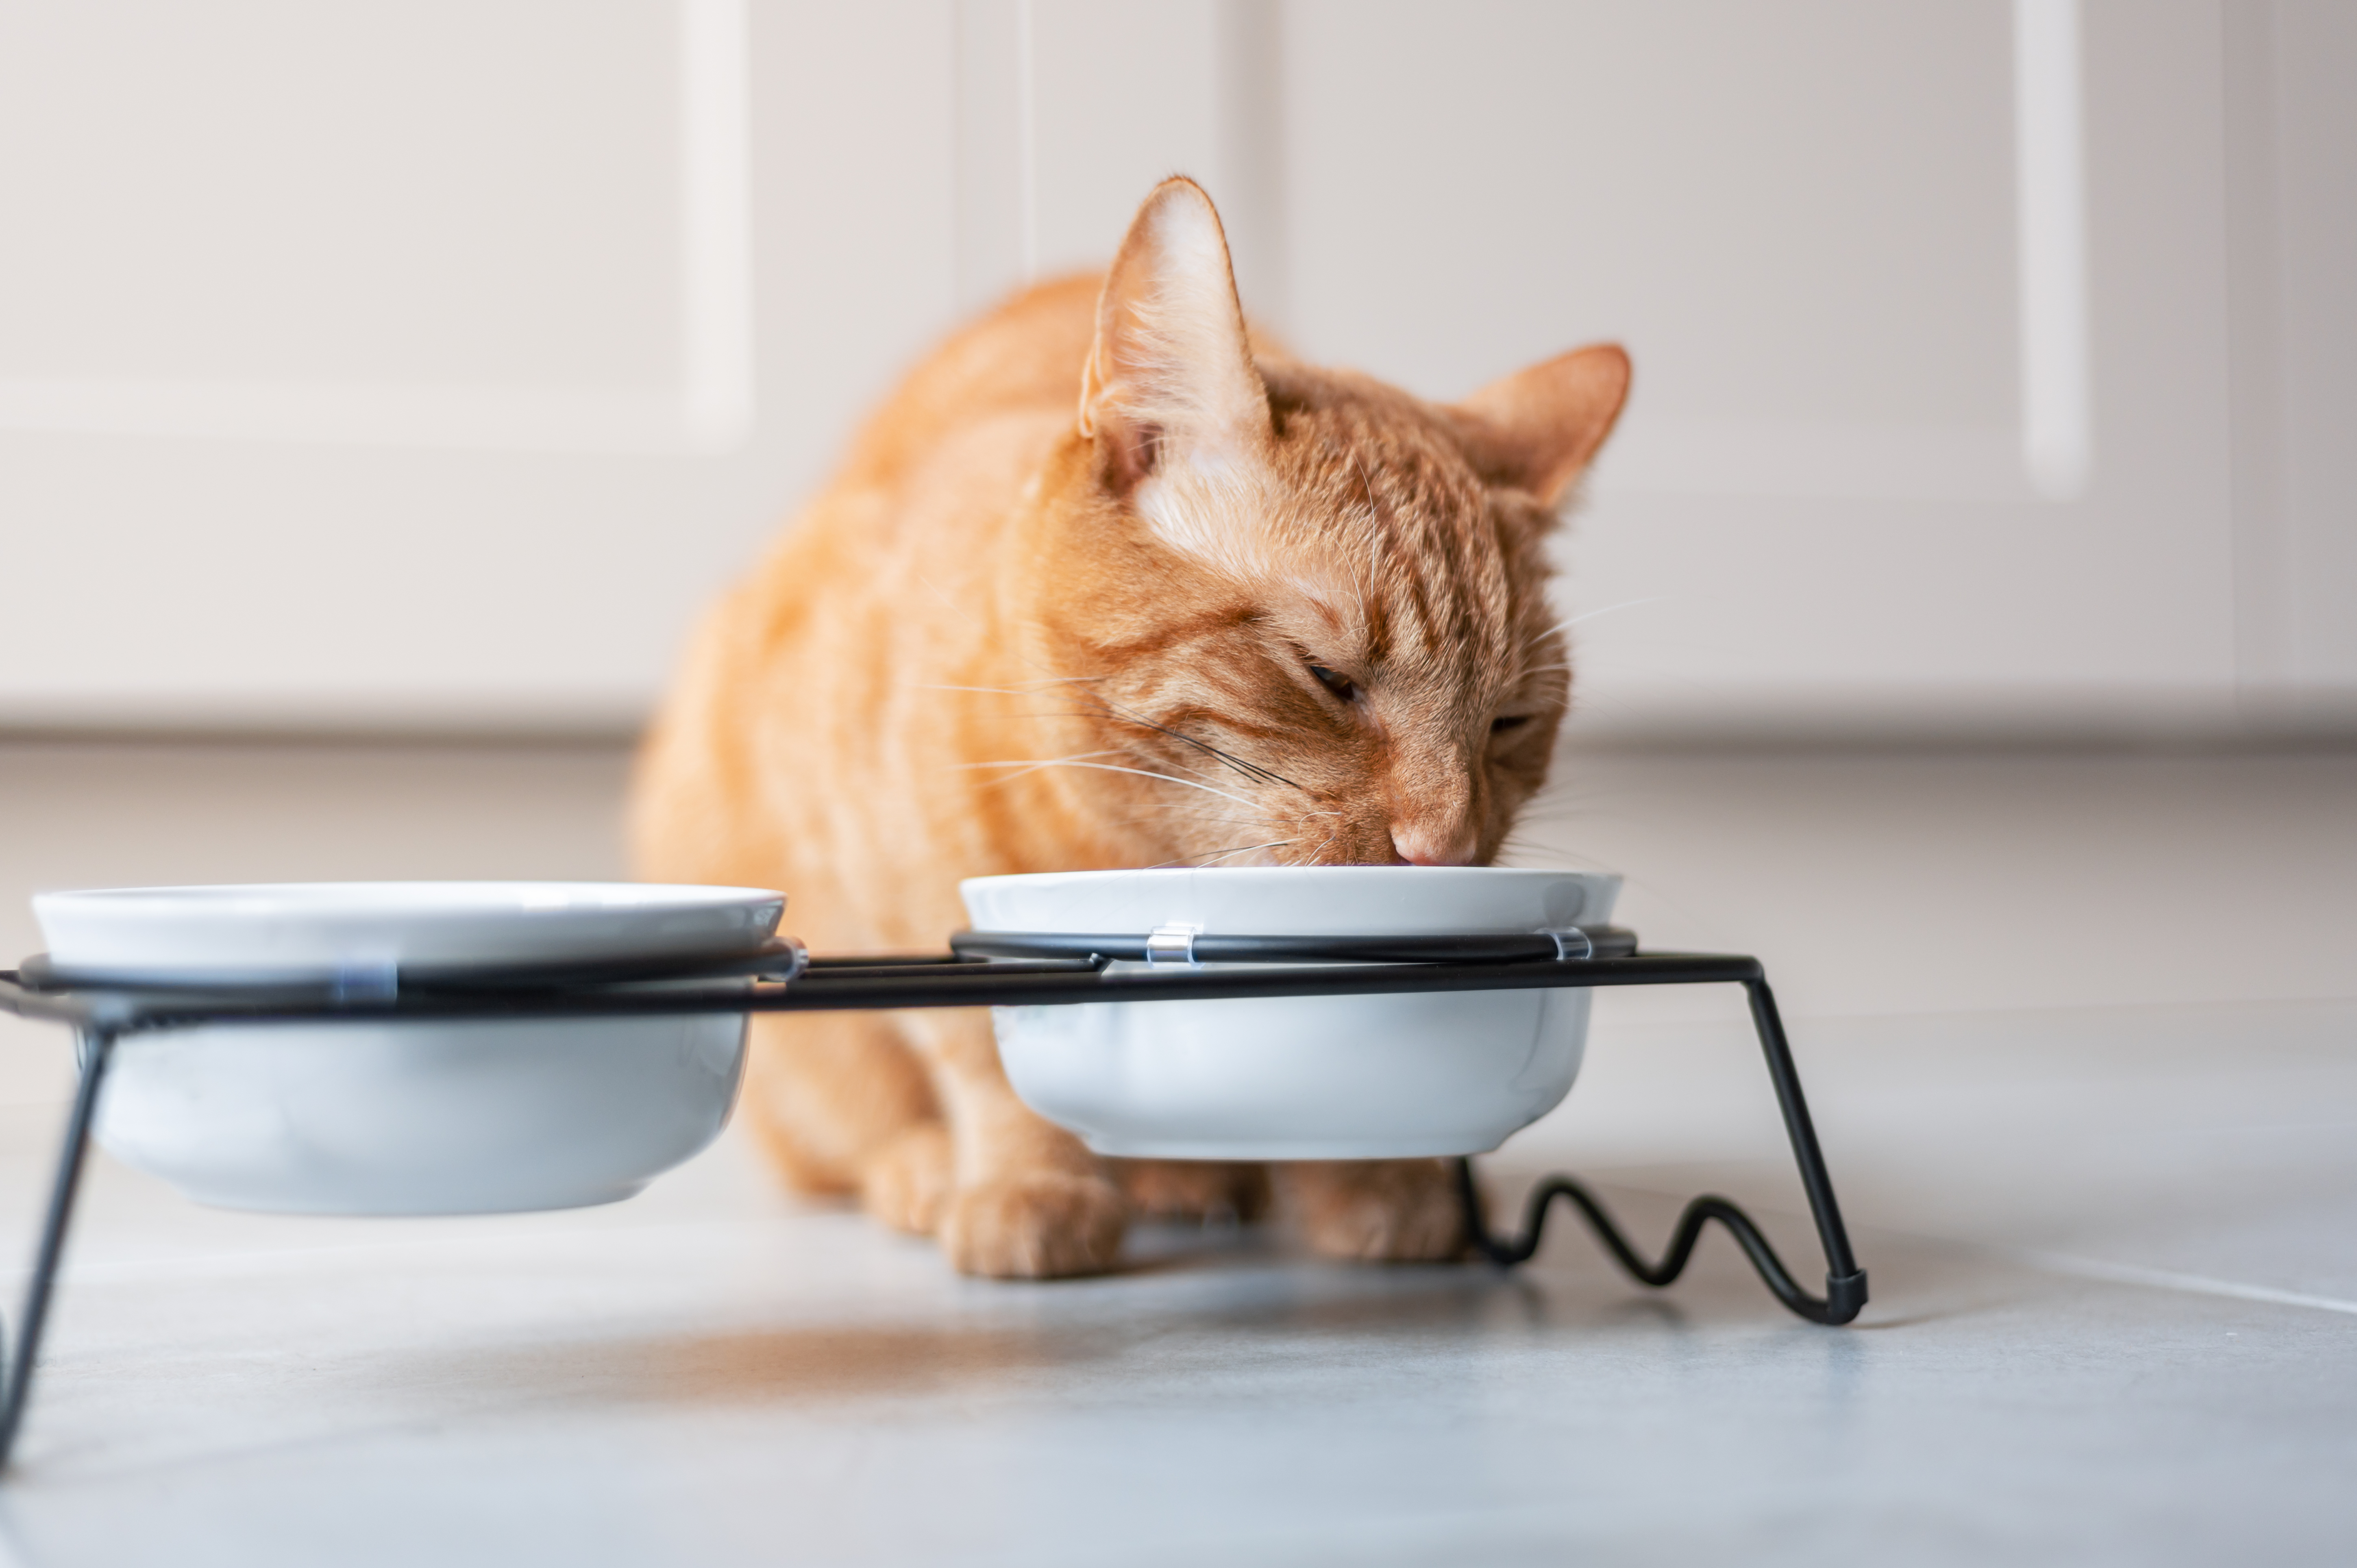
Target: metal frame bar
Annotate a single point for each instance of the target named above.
(101, 1015)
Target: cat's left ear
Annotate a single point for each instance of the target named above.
(1170, 378)
(1536, 429)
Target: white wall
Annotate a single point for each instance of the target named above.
(402, 365)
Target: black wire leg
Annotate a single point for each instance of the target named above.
(98, 1050)
(1845, 1281)
(1845, 1294)
(1507, 1254)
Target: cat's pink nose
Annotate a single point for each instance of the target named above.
(1420, 843)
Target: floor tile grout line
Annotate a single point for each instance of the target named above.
(2064, 1265)
(2164, 1279)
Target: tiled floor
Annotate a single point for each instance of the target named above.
(2114, 1245)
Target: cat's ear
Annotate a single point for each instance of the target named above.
(1536, 429)
(1170, 376)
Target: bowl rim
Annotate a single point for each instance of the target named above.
(1291, 873)
(295, 931)
(613, 896)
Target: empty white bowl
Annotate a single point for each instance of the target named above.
(1297, 1078)
(414, 1118)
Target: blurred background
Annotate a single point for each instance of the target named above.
(1966, 608)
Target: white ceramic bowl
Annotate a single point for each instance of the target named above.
(409, 1118)
(1297, 1078)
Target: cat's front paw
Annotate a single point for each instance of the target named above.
(1194, 1189)
(1377, 1211)
(1042, 1225)
(907, 1183)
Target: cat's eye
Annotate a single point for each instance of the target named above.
(1342, 686)
(1505, 721)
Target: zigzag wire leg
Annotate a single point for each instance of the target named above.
(1845, 1296)
(1507, 1254)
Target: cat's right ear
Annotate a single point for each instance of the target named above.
(1170, 378)
(1536, 430)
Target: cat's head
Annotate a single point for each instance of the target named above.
(1314, 604)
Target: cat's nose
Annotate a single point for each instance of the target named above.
(1429, 844)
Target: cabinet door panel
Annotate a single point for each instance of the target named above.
(276, 221)
(428, 363)
(1830, 232)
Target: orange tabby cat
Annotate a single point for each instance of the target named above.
(1238, 608)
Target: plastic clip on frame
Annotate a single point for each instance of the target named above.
(982, 968)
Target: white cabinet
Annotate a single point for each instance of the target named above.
(418, 362)
(429, 363)
(1865, 476)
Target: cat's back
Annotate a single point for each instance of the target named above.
(1022, 360)
(911, 515)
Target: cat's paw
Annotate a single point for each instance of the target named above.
(1194, 1189)
(1386, 1211)
(1043, 1225)
(907, 1183)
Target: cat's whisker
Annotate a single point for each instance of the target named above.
(1112, 767)
(1031, 765)
(1323, 843)
(1174, 817)
(1253, 770)
(1190, 772)
(1043, 712)
(1273, 844)
(1217, 855)
(1605, 610)
(1028, 689)
(1192, 807)
(1108, 751)
(1373, 510)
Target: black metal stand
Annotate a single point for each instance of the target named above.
(981, 970)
